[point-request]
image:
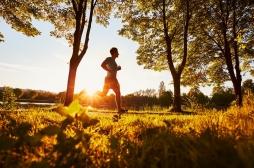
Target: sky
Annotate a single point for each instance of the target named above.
(41, 62)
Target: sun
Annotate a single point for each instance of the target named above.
(90, 92)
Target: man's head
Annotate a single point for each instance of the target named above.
(114, 52)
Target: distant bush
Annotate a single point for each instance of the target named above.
(8, 98)
(222, 100)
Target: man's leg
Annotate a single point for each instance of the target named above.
(118, 98)
(105, 89)
(116, 89)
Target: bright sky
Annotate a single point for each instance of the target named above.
(42, 62)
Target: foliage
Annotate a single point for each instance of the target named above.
(218, 48)
(166, 99)
(218, 16)
(35, 95)
(132, 101)
(1, 37)
(18, 92)
(72, 20)
(248, 86)
(143, 23)
(8, 98)
(20, 13)
(197, 99)
(43, 138)
(161, 89)
(146, 92)
(222, 99)
(227, 33)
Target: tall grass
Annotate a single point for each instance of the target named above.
(43, 138)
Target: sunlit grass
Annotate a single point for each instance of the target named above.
(83, 136)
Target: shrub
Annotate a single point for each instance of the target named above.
(8, 98)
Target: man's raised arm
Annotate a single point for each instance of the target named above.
(104, 65)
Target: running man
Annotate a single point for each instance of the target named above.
(111, 82)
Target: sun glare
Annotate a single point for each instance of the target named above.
(90, 93)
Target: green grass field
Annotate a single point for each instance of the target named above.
(44, 138)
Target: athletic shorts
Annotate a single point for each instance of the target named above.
(111, 83)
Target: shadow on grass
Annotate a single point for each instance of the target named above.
(147, 146)
(159, 147)
(18, 148)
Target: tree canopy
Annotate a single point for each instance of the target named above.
(19, 14)
(163, 31)
(213, 39)
(73, 21)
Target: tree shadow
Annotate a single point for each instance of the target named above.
(183, 112)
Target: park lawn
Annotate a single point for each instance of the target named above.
(44, 138)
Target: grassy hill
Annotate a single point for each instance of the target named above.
(44, 138)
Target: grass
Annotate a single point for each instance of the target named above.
(44, 138)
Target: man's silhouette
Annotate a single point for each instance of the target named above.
(111, 82)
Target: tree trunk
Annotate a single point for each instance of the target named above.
(238, 94)
(236, 79)
(71, 84)
(177, 94)
(237, 62)
(234, 72)
(80, 8)
(229, 62)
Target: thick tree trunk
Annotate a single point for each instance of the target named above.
(235, 78)
(80, 8)
(234, 71)
(177, 94)
(176, 72)
(70, 84)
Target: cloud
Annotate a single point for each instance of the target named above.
(19, 67)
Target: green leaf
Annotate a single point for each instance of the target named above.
(73, 108)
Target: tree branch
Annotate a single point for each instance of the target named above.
(211, 38)
(185, 43)
(168, 41)
(93, 4)
(83, 19)
(74, 5)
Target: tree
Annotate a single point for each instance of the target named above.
(248, 86)
(19, 14)
(60, 97)
(9, 98)
(18, 92)
(166, 98)
(218, 89)
(72, 19)
(222, 98)
(162, 88)
(161, 27)
(226, 32)
(196, 98)
(147, 92)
